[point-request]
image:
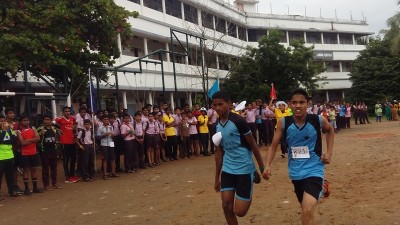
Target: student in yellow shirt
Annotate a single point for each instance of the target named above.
(280, 110)
(172, 141)
(203, 130)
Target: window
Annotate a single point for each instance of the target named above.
(190, 13)
(295, 35)
(242, 33)
(346, 66)
(332, 66)
(220, 25)
(134, 48)
(173, 8)
(135, 1)
(223, 62)
(330, 38)
(346, 39)
(207, 20)
(283, 38)
(314, 37)
(232, 30)
(154, 4)
(255, 34)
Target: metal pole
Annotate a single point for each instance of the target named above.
(27, 102)
(202, 72)
(162, 76)
(116, 89)
(173, 67)
(65, 80)
(98, 91)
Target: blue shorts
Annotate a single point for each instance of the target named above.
(242, 184)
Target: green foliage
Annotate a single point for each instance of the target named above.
(73, 34)
(271, 62)
(375, 73)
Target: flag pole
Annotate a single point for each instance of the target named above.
(92, 117)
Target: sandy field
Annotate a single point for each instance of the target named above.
(364, 176)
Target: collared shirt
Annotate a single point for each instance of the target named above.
(212, 116)
(251, 115)
(139, 128)
(203, 128)
(169, 130)
(152, 128)
(67, 128)
(161, 127)
(88, 136)
(79, 120)
(105, 141)
(177, 122)
(126, 128)
(266, 114)
(192, 127)
(117, 127)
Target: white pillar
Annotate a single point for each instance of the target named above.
(124, 102)
(171, 99)
(119, 47)
(342, 95)
(163, 6)
(141, 2)
(287, 37)
(322, 38)
(199, 21)
(150, 98)
(54, 108)
(247, 34)
(340, 67)
(226, 27)
(39, 108)
(146, 50)
(182, 11)
(167, 48)
(213, 21)
(327, 95)
(22, 107)
(237, 32)
(217, 61)
(338, 38)
(354, 39)
(189, 97)
(305, 37)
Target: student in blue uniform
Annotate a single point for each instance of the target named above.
(235, 169)
(302, 133)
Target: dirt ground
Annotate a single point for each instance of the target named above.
(364, 176)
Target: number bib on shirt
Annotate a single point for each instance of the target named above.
(300, 152)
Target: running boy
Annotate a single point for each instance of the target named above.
(235, 169)
(302, 132)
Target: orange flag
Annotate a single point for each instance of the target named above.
(272, 95)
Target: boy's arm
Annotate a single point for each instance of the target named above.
(36, 136)
(272, 150)
(78, 139)
(330, 136)
(21, 139)
(218, 167)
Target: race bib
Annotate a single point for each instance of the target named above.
(301, 152)
(112, 144)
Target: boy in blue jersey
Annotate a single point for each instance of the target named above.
(306, 164)
(235, 169)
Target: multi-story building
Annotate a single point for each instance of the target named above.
(229, 29)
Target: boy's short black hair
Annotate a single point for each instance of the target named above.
(47, 116)
(176, 108)
(104, 117)
(2, 117)
(66, 107)
(299, 91)
(221, 95)
(8, 110)
(24, 116)
(138, 113)
(86, 121)
(83, 108)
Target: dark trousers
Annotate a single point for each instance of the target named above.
(212, 129)
(186, 145)
(204, 138)
(347, 122)
(171, 147)
(49, 166)
(86, 157)
(270, 130)
(128, 155)
(138, 154)
(6, 166)
(118, 150)
(356, 116)
(69, 156)
(253, 128)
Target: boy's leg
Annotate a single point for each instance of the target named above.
(65, 152)
(91, 162)
(228, 202)
(34, 165)
(45, 169)
(308, 206)
(84, 162)
(72, 151)
(53, 168)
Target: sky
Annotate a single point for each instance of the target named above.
(376, 12)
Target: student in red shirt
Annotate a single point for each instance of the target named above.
(28, 137)
(67, 141)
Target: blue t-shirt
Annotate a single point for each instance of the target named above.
(342, 110)
(238, 157)
(305, 135)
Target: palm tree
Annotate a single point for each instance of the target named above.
(393, 33)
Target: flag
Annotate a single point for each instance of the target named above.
(214, 88)
(272, 94)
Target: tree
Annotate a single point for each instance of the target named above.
(393, 33)
(286, 67)
(375, 74)
(74, 35)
